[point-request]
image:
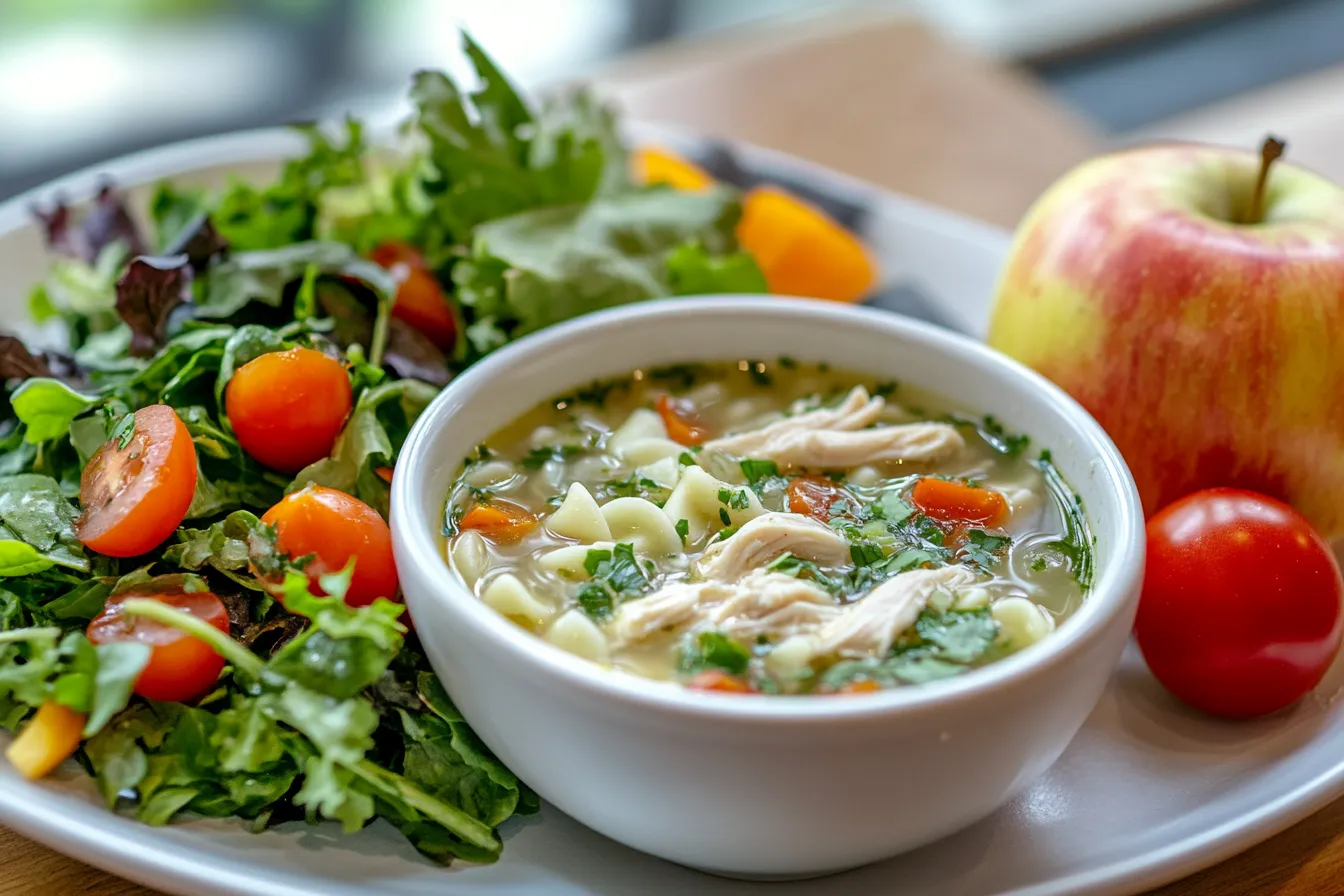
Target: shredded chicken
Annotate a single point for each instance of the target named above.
(837, 437)
(764, 603)
(769, 536)
(871, 625)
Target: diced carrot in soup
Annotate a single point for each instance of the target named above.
(498, 521)
(679, 421)
(801, 250)
(716, 680)
(955, 502)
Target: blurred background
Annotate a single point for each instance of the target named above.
(84, 80)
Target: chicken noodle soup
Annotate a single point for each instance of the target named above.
(769, 527)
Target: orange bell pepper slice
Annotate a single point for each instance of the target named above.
(651, 165)
(801, 250)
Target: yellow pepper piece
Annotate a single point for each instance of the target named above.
(47, 740)
(801, 250)
(658, 166)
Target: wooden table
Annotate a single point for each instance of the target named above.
(884, 100)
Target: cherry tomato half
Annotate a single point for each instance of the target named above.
(420, 300)
(1243, 607)
(679, 420)
(955, 502)
(181, 668)
(814, 497)
(136, 489)
(287, 408)
(334, 527)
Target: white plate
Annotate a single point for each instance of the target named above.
(1147, 793)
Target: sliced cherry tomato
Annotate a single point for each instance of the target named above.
(814, 497)
(1242, 610)
(287, 408)
(181, 667)
(136, 489)
(718, 680)
(334, 527)
(679, 419)
(420, 301)
(954, 502)
(499, 521)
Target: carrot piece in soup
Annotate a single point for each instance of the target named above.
(954, 502)
(677, 418)
(499, 521)
(718, 680)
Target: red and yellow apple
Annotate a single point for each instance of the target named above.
(1192, 299)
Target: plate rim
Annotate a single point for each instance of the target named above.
(116, 844)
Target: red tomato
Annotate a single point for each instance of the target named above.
(1243, 607)
(718, 680)
(334, 527)
(420, 300)
(678, 418)
(135, 491)
(954, 502)
(181, 667)
(813, 497)
(500, 521)
(287, 408)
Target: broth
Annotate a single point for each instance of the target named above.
(831, 533)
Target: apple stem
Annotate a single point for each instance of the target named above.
(1270, 151)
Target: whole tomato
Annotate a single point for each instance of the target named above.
(1242, 610)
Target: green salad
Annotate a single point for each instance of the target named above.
(197, 597)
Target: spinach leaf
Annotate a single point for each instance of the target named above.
(35, 513)
(373, 435)
(547, 265)
(262, 276)
(691, 270)
(46, 407)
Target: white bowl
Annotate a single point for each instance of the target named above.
(748, 785)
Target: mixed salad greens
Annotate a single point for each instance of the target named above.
(196, 594)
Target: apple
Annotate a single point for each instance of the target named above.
(1192, 299)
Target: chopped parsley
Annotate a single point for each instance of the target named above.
(982, 549)
(713, 650)
(683, 529)
(680, 376)
(724, 517)
(686, 459)
(734, 499)
(940, 645)
(786, 362)
(1078, 542)
(537, 457)
(480, 454)
(124, 431)
(756, 470)
(634, 487)
(616, 575)
(886, 389)
(865, 553)
(1000, 439)
(892, 507)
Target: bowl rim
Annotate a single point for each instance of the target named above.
(416, 541)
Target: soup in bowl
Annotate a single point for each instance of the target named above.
(854, 653)
(769, 527)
